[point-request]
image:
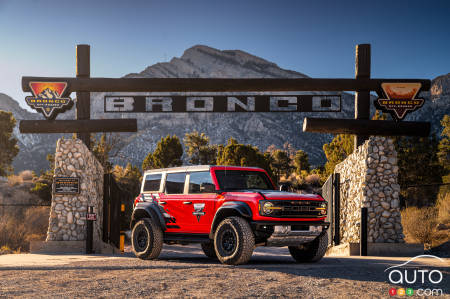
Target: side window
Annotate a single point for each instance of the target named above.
(201, 182)
(152, 182)
(175, 183)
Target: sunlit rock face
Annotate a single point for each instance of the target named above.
(260, 129)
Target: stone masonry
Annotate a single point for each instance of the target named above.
(67, 216)
(369, 179)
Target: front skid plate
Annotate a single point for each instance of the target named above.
(287, 240)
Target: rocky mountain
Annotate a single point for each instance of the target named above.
(48, 94)
(260, 129)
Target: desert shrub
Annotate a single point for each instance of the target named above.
(14, 180)
(26, 175)
(443, 205)
(5, 250)
(313, 179)
(43, 190)
(419, 223)
(19, 226)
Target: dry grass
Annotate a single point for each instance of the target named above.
(19, 226)
(26, 175)
(443, 205)
(424, 225)
(313, 179)
(14, 180)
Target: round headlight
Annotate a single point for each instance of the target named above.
(323, 205)
(267, 207)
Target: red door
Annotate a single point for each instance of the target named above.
(200, 202)
(172, 202)
(200, 210)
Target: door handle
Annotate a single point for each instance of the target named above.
(187, 202)
(162, 202)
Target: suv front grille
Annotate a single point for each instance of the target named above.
(296, 209)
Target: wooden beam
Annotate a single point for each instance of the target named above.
(362, 98)
(78, 126)
(83, 107)
(366, 127)
(217, 85)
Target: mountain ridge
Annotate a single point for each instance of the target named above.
(259, 129)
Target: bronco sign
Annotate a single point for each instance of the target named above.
(400, 99)
(224, 103)
(48, 98)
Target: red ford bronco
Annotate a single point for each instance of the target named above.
(229, 210)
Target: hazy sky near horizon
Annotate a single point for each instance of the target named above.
(410, 39)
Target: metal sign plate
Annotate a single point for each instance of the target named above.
(66, 185)
(48, 98)
(400, 99)
(222, 103)
(91, 216)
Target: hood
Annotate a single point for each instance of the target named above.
(282, 195)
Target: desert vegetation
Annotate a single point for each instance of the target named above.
(23, 215)
(423, 169)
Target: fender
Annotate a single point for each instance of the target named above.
(152, 210)
(230, 208)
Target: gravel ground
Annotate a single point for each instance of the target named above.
(183, 271)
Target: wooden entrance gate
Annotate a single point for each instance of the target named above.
(330, 192)
(113, 212)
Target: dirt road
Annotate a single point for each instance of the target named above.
(183, 271)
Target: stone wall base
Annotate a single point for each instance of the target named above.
(58, 246)
(377, 249)
(69, 247)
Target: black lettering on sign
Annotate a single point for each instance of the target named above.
(66, 185)
(223, 103)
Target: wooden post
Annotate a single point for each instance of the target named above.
(362, 98)
(363, 233)
(83, 108)
(89, 231)
(337, 208)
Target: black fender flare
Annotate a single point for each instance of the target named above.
(150, 210)
(230, 208)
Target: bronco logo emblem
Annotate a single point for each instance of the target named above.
(48, 98)
(400, 99)
(198, 210)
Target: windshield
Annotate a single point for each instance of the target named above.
(242, 179)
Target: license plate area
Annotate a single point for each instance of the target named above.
(287, 229)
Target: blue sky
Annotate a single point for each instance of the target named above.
(410, 39)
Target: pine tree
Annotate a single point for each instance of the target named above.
(238, 154)
(106, 148)
(129, 178)
(8, 144)
(418, 165)
(168, 152)
(444, 145)
(199, 150)
(337, 150)
(301, 162)
(148, 162)
(280, 163)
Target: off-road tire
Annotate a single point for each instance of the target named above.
(208, 249)
(310, 252)
(234, 241)
(146, 239)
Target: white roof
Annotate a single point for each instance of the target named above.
(180, 169)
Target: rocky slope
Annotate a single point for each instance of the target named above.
(260, 129)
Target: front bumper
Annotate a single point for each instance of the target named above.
(292, 233)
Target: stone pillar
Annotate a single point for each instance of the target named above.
(67, 217)
(369, 179)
